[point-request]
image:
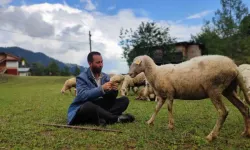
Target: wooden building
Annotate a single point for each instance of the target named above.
(8, 63)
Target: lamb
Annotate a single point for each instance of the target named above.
(118, 78)
(198, 78)
(128, 82)
(68, 85)
(146, 93)
(142, 94)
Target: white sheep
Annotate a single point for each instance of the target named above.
(196, 79)
(243, 67)
(133, 83)
(245, 71)
(68, 84)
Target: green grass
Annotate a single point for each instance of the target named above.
(26, 101)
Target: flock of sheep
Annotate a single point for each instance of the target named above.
(210, 76)
(126, 83)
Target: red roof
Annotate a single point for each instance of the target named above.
(9, 56)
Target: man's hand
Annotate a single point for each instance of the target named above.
(107, 86)
(114, 86)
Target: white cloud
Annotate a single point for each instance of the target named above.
(181, 31)
(70, 26)
(88, 5)
(199, 15)
(5, 2)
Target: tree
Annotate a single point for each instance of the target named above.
(228, 19)
(53, 69)
(245, 26)
(224, 35)
(77, 71)
(210, 38)
(144, 40)
(227, 22)
(37, 69)
(65, 71)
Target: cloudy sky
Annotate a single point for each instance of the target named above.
(59, 28)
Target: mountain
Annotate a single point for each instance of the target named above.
(32, 57)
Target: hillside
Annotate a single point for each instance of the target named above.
(33, 57)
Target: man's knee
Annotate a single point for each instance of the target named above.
(125, 100)
(87, 106)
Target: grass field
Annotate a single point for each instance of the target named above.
(26, 101)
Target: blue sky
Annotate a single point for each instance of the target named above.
(156, 10)
(39, 21)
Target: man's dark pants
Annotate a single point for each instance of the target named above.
(106, 109)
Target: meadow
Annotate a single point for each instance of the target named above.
(27, 101)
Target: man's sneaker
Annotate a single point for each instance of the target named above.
(102, 122)
(124, 118)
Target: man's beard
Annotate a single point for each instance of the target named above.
(96, 70)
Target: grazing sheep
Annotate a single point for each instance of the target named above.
(134, 83)
(68, 85)
(196, 79)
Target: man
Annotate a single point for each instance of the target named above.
(96, 101)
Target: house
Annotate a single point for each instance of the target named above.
(8, 63)
(190, 49)
(181, 51)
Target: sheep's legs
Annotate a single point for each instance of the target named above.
(157, 108)
(75, 92)
(170, 114)
(233, 98)
(135, 89)
(223, 112)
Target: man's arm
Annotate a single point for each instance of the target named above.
(84, 92)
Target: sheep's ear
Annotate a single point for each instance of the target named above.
(138, 61)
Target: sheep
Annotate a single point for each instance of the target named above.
(245, 71)
(146, 93)
(198, 78)
(134, 83)
(111, 75)
(149, 91)
(141, 94)
(118, 78)
(244, 67)
(68, 85)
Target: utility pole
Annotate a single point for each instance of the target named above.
(90, 41)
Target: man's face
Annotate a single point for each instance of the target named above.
(97, 64)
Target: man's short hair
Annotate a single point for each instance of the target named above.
(91, 54)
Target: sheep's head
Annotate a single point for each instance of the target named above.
(136, 67)
(124, 92)
(117, 78)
